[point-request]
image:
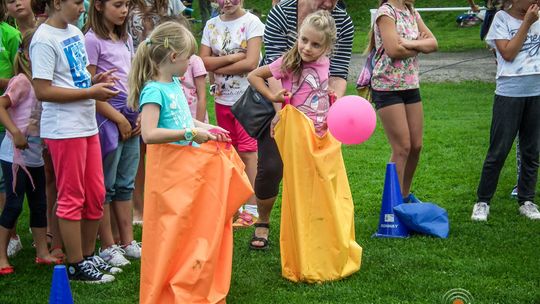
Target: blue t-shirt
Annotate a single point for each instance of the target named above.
(174, 114)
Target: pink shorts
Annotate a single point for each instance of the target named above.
(79, 177)
(240, 139)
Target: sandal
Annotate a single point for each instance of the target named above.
(59, 255)
(255, 238)
(7, 270)
(42, 261)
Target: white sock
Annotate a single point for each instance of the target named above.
(252, 209)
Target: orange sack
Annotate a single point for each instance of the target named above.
(191, 195)
(317, 214)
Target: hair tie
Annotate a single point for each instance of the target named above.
(148, 41)
(166, 43)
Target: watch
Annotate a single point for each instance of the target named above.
(189, 134)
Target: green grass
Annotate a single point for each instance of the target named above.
(497, 262)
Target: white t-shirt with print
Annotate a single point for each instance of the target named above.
(230, 37)
(59, 55)
(527, 61)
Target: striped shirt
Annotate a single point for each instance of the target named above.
(280, 35)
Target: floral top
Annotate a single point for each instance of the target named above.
(396, 74)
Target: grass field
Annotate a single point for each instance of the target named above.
(497, 262)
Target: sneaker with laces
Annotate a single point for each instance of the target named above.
(114, 256)
(480, 212)
(14, 246)
(530, 210)
(87, 272)
(514, 192)
(101, 265)
(133, 250)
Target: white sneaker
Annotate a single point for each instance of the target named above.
(530, 210)
(114, 255)
(133, 250)
(14, 246)
(480, 212)
(101, 265)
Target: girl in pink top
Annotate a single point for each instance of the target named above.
(22, 162)
(194, 86)
(304, 72)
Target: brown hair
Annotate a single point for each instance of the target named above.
(165, 38)
(160, 7)
(323, 22)
(21, 64)
(371, 34)
(2, 11)
(96, 22)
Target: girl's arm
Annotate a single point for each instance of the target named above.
(256, 79)
(509, 49)
(200, 86)
(18, 137)
(212, 63)
(105, 109)
(47, 92)
(248, 64)
(151, 134)
(426, 42)
(390, 39)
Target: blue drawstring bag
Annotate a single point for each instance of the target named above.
(425, 218)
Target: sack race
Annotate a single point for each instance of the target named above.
(317, 213)
(191, 195)
(253, 112)
(425, 218)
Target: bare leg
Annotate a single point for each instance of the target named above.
(394, 120)
(71, 235)
(122, 212)
(52, 219)
(415, 120)
(250, 160)
(138, 193)
(40, 239)
(4, 240)
(105, 233)
(89, 229)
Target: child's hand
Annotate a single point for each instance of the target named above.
(279, 97)
(137, 130)
(106, 76)
(102, 91)
(406, 43)
(203, 136)
(220, 134)
(532, 14)
(124, 127)
(273, 125)
(422, 36)
(20, 141)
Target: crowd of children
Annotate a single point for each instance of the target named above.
(80, 105)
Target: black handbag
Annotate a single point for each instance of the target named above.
(254, 112)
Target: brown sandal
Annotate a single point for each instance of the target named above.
(255, 238)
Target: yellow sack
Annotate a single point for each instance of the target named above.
(317, 214)
(190, 197)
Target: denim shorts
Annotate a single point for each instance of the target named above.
(119, 170)
(383, 99)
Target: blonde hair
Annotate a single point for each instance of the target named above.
(323, 22)
(371, 34)
(166, 38)
(21, 64)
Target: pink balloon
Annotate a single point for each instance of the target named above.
(351, 120)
